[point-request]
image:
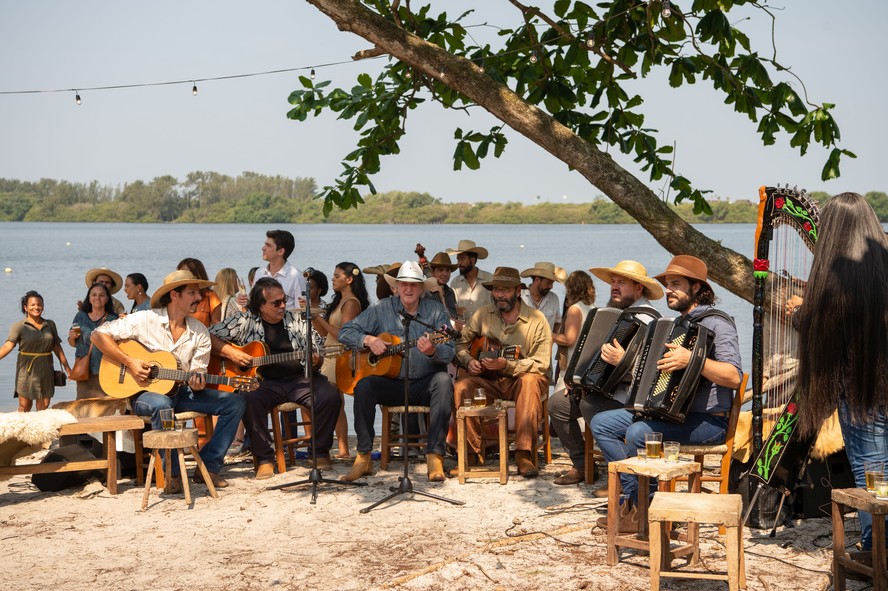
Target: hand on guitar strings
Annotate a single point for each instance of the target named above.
(140, 370)
(239, 357)
(376, 345)
(493, 364)
(676, 358)
(425, 345)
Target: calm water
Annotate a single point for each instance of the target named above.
(53, 259)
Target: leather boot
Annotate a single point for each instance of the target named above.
(362, 466)
(572, 476)
(525, 465)
(628, 519)
(435, 467)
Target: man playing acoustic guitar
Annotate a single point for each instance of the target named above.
(268, 321)
(167, 326)
(508, 323)
(429, 383)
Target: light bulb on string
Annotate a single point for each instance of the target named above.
(77, 97)
(194, 88)
(408, 74)
(534, 58)
(312, 75)
(667, 9)
(590, 40)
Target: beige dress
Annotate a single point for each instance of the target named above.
(335, 319)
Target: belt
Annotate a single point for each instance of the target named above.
(34, 357)
(720, 414)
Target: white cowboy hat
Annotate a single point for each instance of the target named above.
(470, 247)
(546, 270)
(177, 279)
(411, 272)
(115, 277)
(631, 270)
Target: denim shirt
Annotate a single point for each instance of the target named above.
(383, 317)
(87, 326)
(726, 348)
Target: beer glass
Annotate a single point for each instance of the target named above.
(167, 419)
(874, 471)
(653, 442)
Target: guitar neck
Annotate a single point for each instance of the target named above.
(277, 358)
(490, 354)
(177, 375)
(400, 348)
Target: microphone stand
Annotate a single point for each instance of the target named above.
(314, 476)
(406, 485)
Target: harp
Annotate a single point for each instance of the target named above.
(784, 243)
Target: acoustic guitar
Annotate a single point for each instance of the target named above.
(118, 382)
(487, 348)
(353, 366)
(259, 352)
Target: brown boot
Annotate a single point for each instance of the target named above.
(218, 481)
(174, 486)
(628, 519)
(435, 467)
(362, 466)
(572, 476)
(472, 459)
(525, 465)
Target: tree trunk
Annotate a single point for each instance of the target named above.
(728, 268)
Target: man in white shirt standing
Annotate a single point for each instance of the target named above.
(470, 295)
(539, 293)
(279, 245)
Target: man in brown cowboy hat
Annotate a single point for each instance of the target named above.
(429, 383)
(169, 326)
(469, 295)
(525, 380)
(617, 432)
(539, 293)
(442, 267)
(630, 287)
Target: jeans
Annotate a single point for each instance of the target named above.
(619, 436)
(864, 443)
(434, 390)
(227, 406)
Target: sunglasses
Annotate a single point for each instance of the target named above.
(277, 303)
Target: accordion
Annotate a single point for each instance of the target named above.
(668, 395)
(592, 335)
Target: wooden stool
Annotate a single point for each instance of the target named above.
(722, 510)
(285, 440)
(201, 440)
(859, 499)
(645, 470)
(482, 413)
(182, 441)
(403, 440)
(543, 430)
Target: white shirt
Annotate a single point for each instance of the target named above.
(152, 329)
(549, 306)
(471, 298)
(290, 279)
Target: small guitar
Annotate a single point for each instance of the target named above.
(353, 366)
(488, 348)
(118, 382)
(259, 352)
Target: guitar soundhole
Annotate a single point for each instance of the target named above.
(152, 373)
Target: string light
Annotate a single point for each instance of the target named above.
(590, 40)
(667, 9)
(534, 58)
(312, 75)
(408, 74)
(194, 88)
(77, 97)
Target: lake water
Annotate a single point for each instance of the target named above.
(53, 259)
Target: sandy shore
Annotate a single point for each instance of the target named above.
(528, 534)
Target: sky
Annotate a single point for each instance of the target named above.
(232, 126)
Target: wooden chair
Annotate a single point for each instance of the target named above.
(592, 456)
(282, 431)
(405, 441)
(542, 430)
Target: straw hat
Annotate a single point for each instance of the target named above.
(504, 277)
(442, 259)
(631, 270)
(411, 272)
(93, 273)
(686, 266)
(177, 279)
(382, 269)
(470, 247)
(546, 270)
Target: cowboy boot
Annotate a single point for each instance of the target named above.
(362, 466)
(525, 464)
(435, 467)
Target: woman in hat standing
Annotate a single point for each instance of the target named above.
(95, 311)
(109, 279)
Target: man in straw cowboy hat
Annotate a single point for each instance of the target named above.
(630, 287)
(109, 279)
(442, 267)
(466, 285)
(508, 321)
(168, 326)
(539, 293)
(429, 383)
(382, 288)
(268, 320)
(617, 432)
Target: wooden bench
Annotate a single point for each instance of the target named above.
(108, 426)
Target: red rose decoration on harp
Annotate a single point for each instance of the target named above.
(761, 264)
(779, 202)
(792, 408)
(807, 226)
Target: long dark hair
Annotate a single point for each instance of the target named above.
(843, 323)
(358, 287)
(86, 306)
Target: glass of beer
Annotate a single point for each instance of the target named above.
(75, 328)
(874, 471)
(653, 442)
(167, 419)
(480, 398)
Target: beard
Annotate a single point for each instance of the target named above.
(467, 269)
(679, 303)
(506, 304)
(620, 304)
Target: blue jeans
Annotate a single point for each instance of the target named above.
(619, 436)
(228, 406)
(434, 390)
(864, 442)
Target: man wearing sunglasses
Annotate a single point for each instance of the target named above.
(267, 320)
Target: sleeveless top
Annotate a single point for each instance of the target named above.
(584, 310)
(335, 319)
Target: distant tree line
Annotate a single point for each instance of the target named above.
(210, 197)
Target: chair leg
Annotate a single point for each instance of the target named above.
(589, 455)
(204, 472)
(148, 483)
(278, 441)
(139, 452)
(547, 436)
(385, 438)
(184, 475)
(731, 543)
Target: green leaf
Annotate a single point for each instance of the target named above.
(365, 80)
(469, 157)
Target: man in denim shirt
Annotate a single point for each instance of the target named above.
(429, 383)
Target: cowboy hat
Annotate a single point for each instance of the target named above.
(382, 269)
(686, 266)
(93, 273)
(546, 270)
(631, 270)
(177, 279)
(411, 272)
(442, 259)
(504, 277)
(470, 247)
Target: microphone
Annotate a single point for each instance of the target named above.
(451, 332)
(406, 315)
(308, 272)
